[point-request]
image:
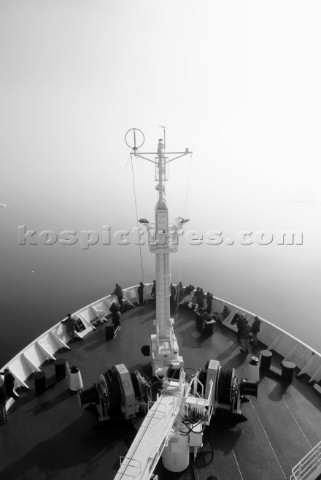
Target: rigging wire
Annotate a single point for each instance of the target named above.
(188, 184)
(137, 223)
(122, 334)
(180, 263)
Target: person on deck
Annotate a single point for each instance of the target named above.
(245, 337)
(115, 314)
(9, 383)
(173, 294)
(240, 323)
(179, 293)
(119, 294)
(140, 292)
(256, 325)
(153, 293)
(199, 297)
(70, 325)
(209, 301)
(3, 399)
(226, 312)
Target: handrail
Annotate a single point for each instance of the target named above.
(306, 358)
(309, 468)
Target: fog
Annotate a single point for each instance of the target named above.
(235, 82)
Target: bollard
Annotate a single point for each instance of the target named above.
(266, 359)
(75, 380)
(40, 382)
(60, 369)
(287, 371)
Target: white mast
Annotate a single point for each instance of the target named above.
(163, 240)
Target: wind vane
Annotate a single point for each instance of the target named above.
(138, 139)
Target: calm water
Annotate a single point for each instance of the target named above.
(40, 284)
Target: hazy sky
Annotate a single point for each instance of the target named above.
(238, 82)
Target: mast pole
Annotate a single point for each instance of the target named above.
(163, 240)
(163, 275)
